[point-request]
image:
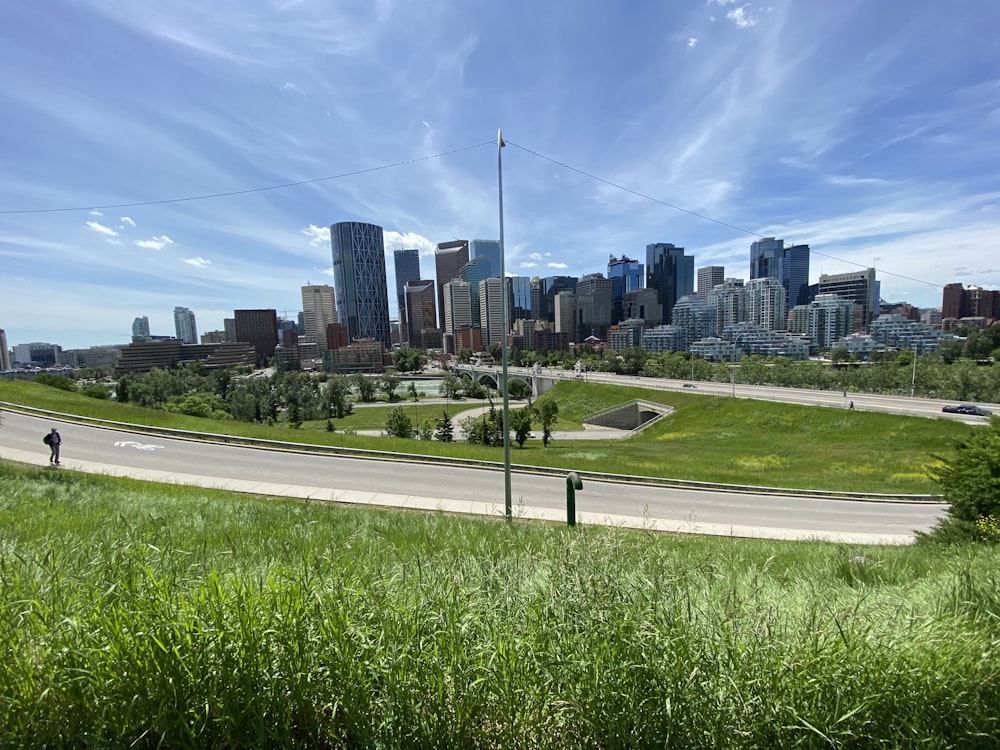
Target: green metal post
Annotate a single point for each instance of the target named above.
(573, 483)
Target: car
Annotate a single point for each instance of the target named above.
(690, 385)
(977, 411)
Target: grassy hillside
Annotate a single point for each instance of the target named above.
(137, 615)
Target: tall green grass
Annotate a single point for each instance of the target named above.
(134, 615)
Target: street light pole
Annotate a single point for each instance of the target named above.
(913, 382)
(503, 343)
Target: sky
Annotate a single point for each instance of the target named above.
(868, 130)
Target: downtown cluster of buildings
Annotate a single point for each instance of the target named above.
(659, 305)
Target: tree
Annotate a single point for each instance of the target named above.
(388, 384)
(970, 482)
(398, 424)
(409, 359)
(547, 411)
(633, 360)
(520, 422)
(518, 389)
(464, 356)
(451, 386)
(365, 386)
(335, 397)
(445, 431)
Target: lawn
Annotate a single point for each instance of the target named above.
(134, 615)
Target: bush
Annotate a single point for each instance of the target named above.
(398, 424)
(970, 482)
(55, 381)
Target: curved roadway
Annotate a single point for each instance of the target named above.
(463, 490)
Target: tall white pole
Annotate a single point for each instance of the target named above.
(503, 343)
(913, 382)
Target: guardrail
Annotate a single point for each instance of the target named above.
(344, 451)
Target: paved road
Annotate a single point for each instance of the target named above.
(459, 489)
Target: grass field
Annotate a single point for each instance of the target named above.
(708, 438)
(141, 616)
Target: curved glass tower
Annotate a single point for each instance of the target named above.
(360, 290)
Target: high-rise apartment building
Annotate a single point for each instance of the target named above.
(318, 311)
(4, 352)
(973, 302)
(185, 326)
(489, 249)
(709, 277)
(449, 257)
(824, 321)
(696, 317)
(670, 272)
(407, 267)
(491, 292)
(626, 275)
(359, 282)
(766, 303)
(140, 329)
(419, 305)
(861, 288)
(790, 265)
(259, 328)
(729, 299)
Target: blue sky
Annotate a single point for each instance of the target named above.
(867, 129)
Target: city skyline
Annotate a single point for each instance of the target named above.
(859, 139)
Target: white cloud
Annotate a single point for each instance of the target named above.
(847, 180)
(157, 243)
(127, 220)
(561, 266)
(293, 88)
(692, 41)
(95, 212)
(399, 241)
(426, 124)
(742, 17)
(327, 271)
(101, 229)
(528, 265)
(317, 235)
(536, 256)
(198, 262)
(112, 241)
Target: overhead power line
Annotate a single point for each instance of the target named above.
(750, 232)
(247, 191)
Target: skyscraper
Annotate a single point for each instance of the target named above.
(457, 306)
(708, 278)
(407, 266)
(4, 352)
(491, 291)
(593, 306)
(259, 328)
(626, 276)
(419, 305)
(140, 329)
(670, 272)
(860, 287)
(185, 326)
(318, 311)
(359, 283)
(474, 271)
(766, 303)
(490, 249)
(789, 265)
(519, 299)
(449, 257)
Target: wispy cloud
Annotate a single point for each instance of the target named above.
(157, 243)
(560, 266)
(127, 220)
(742, 17)
(101, 229)
(692, 41)
(95, 212)
(528, 264)
(847, 180)
(198, 262)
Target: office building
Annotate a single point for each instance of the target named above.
(359, 282)
(538, 299)
(37, 354)
(765, 300)
(449, 257)
(861, 288)
(973, 302)
(642, 304)
(519, 297)
(318, 311)
(229, 325)
(4, 352)
(473, 272)
(553, 286)
(184, 325)
(489, 249)
(491, 292)
(671, 273)
(565, 313)
(594, 304)
(140, 329)
(790, 265)
(407, 268)
(418, 302)
(626, 275)
(709, 277)
(259, 328)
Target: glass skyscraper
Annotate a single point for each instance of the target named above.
(769, 258)
(362, 298)
(626, 276)
(671, 273)
(491, 250)
(407, 267)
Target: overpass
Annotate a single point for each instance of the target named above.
(538, 378)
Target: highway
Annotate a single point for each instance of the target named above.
(459, 489)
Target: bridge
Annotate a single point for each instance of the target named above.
(540, 379)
